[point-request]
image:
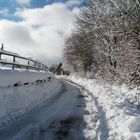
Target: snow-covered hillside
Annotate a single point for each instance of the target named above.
(20, 91)
(9, 77)
(115, 113)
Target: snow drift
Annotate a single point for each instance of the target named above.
(120, 105)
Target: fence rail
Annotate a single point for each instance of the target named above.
(35, 66)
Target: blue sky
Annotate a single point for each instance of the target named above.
(37, 28)
(10, 6)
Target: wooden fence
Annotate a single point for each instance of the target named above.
(36, 65)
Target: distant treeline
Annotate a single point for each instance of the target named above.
(106, 40)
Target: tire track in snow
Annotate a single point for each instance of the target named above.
(69, 127)
(60, 117)
(102, 131)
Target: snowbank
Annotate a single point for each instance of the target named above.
(118, 105)
(9, 77)
(21, 91)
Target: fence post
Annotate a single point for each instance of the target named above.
(28, 64)
(36, 66)
(14, 59)
(41, 67)
(2, 47)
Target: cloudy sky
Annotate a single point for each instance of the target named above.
(37, 28)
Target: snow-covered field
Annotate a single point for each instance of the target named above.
(114, 110)
(21, 91)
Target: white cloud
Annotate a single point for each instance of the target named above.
(4, 12)
(42, 32)
(16, 37)
(23, 1)
(56, 14)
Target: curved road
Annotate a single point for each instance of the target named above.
(59, 119)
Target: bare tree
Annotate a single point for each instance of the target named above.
(107, 36)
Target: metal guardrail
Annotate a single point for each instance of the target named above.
(35, 66)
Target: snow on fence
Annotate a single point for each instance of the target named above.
(35, 66)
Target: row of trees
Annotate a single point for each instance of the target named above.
(106, 40)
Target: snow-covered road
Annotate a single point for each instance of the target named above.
(60, 118)
(39, 106)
